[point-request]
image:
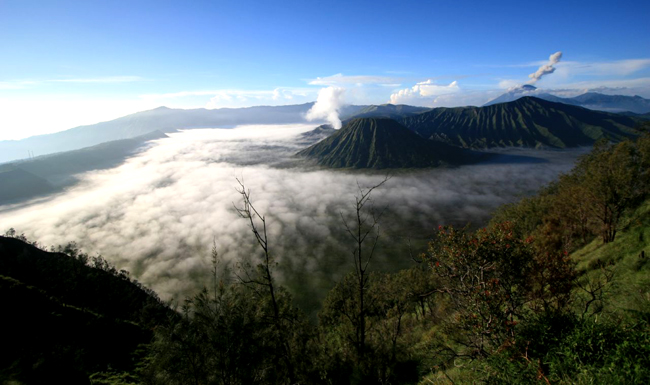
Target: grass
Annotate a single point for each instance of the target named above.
(625, 301)
(629, 288)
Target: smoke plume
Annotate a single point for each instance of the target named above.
(546, 68)
(327, 106)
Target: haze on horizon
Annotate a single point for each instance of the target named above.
(68, 63)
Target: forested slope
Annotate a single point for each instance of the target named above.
(68, 315)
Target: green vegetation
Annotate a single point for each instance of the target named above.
(66, 316)
(389, 111)
(382, 143)
(526, 122)
(554, 290)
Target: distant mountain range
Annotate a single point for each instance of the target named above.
(161, 119)
(383, 143)
(526, 122)
(169, 120)
(591, 100)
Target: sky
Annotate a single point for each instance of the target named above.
(69, 63)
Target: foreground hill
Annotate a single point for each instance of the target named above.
(69, 316)
(526, 122)
(382, 143)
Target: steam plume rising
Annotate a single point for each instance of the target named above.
(546, 68)
(327, 106)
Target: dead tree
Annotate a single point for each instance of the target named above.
(264, 281)
(365, 223)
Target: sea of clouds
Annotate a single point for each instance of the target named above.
(158, 214)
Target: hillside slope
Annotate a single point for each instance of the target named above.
(70, 316)
(591, 100)
(29, 178)
(628, 257)
(17, 184)
(382, 143)
(389, 111)
(526, 122)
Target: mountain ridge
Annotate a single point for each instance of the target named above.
(525, 122)
(591, 100)
(380, 143)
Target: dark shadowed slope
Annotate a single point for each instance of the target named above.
(390, 111)
(64, 319)
(26, 179)
(526, 122)
(382, 143)
(57, 168)
(317, 134)
(645, 116)
(17, 184)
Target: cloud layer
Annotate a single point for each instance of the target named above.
(157, 214)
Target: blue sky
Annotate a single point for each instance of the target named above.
(66, 63)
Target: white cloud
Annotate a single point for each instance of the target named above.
(246, 98)
(180, 94)
(106, 79)
(358, 80)
(23, 84)
(638, 86)
(507, 84)
(232, 98)
(17, 84)
(423, 92)
(283, 94)
(613, 68)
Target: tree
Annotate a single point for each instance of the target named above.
(240, 332)
(284, 319)
(356, 307)
(613, 177)
(365, 223)
(484, 277)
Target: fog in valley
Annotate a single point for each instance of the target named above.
(158, 214)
